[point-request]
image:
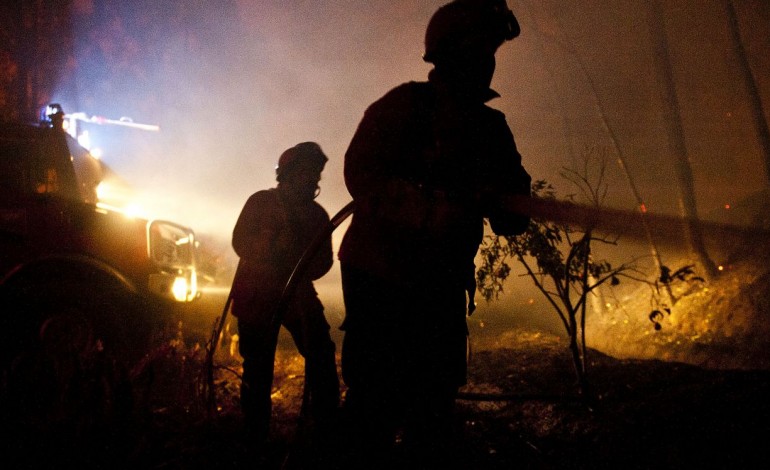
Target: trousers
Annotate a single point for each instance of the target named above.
(257, 341)
(403, 358)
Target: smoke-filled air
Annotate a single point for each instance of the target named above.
(231, 84)
(613, 316)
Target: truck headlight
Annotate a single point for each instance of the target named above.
(179, 289)
(172, 249)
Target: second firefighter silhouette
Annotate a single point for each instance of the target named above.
(428, 163)
(272, 232)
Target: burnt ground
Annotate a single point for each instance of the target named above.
(519, 410)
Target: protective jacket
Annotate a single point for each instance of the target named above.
(270, 236)
(425, 167)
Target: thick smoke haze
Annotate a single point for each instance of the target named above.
(232, 87)
(233, 83)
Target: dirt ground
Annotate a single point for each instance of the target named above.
(519, 410)
(646, 414)
(696, 396)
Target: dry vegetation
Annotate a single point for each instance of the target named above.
(721, 324)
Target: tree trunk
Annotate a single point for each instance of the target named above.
(744, 69)
(676, 141)
(11, 93)
(38, 39)
(568, 45)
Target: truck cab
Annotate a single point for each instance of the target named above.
(69, 260)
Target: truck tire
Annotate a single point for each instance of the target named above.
(71, 332)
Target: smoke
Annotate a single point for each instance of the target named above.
(234, 83)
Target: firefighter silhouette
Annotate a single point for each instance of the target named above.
(427, 164)
(273, 230)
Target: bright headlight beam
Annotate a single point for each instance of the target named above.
(179, 289)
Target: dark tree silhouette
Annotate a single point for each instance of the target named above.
(746, 74)
(35, 38)
(567, 45)
(676, 140)
(558, 258)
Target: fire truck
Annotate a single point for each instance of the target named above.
(78, 274)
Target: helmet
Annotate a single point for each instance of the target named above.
(480, 24)
(304, 155)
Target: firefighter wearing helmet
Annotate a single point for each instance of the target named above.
(428, 163)
(273, 230)
(469, 26)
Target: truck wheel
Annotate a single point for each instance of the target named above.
(70, 336)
